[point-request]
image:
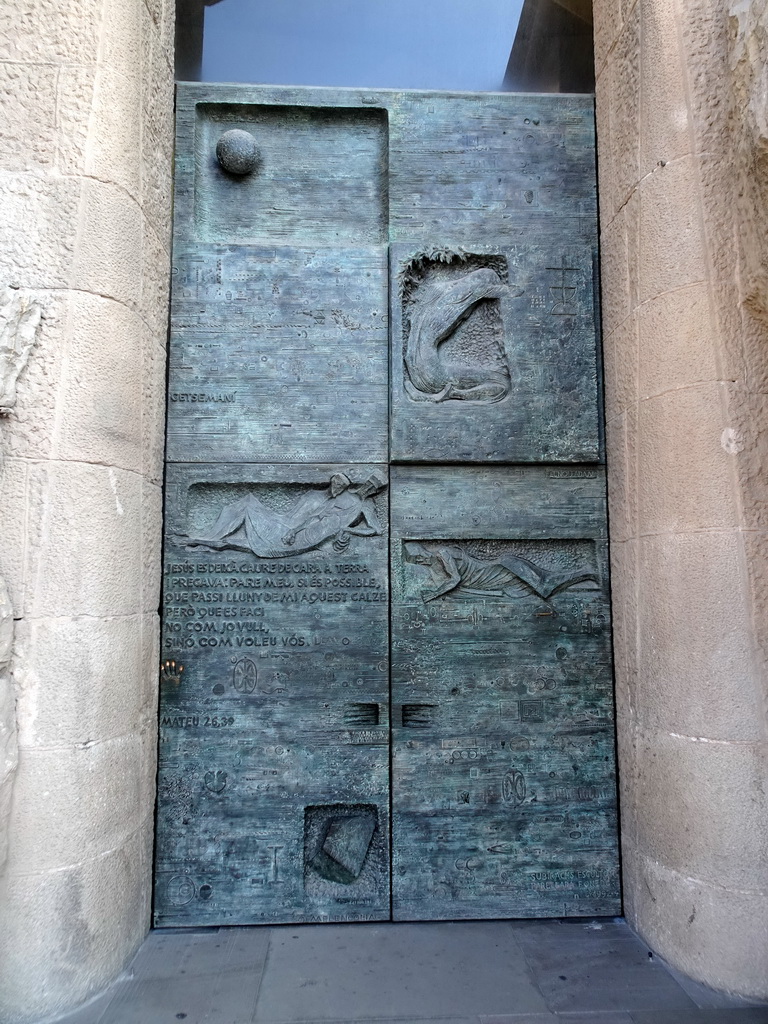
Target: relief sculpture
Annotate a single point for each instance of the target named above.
(335, 514)
(454, 334)
(456, 571)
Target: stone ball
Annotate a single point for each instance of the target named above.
(237, 151)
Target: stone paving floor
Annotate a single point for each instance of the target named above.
(489, 972)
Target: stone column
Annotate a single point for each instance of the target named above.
(683, 210)
(85, 166)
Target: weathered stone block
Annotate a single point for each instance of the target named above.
(114, 138)
(684, 478)
(695, 648)
(155, 280)
(607, 27)
(8, 730)
(14, 496)
(74, 101)
(37, 230)
(72, 804)
(84, 557)
(153, 360)
(624, 604)
(121, 44)
(28, 116)
(673, 251)
(100, 393)
(745, 441)
(680, 781)
(664, 128)
(108, 260)
(157, 142)
(46, 31)
(67, 933)
(679, 340)
(621, 434)
(103, 665)
(620, 360)
(703, 28)
(715, 935)
(615, 256)
(151, 544)
(625, 110)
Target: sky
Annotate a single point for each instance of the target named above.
(397, 44)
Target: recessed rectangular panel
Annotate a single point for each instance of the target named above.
(274, 715)
(278, 354)
(493, 354)
(320, 175)
(503, 775)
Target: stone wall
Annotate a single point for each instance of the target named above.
(85, 168)
(681, 104)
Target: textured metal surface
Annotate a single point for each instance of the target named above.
(398, 277)
(503, 785)
(274, 773)
(493, 354)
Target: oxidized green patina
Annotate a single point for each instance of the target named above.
(383, 362)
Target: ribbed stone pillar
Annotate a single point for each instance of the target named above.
(85, 165)
(681, 149)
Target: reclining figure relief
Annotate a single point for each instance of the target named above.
(335, 514)
(457, 572)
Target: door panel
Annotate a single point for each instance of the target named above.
(274, 770)
(384, 297)
(490, 168)
(503, 779)
(493, 354)
(278, 353)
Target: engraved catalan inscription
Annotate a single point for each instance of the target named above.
(495, 572)
(274, 772)
(383, 375)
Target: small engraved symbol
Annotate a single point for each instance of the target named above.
(543, 681)
(274, 850)
(170, 673)
(513, 787)
(531, 711)
(181, 890)
(215, 781)
(417, 716)
(361, 716)
(563, 294)
(245, 676)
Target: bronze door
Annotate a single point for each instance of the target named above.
(386, 686)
